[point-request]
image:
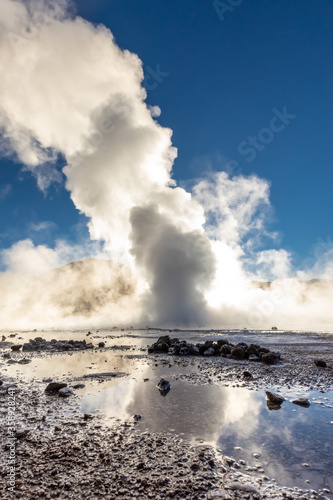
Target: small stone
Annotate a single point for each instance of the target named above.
(55, 386)
(20, 434)
(16, 348)
(164, 385)
(195, 466)
(301, 402)
(274, 398)
(209, 352)
(247, 374)
(24, 361)
(88, 416)
(65, 392)
(101, 344)
(137, 417)
(320, 362)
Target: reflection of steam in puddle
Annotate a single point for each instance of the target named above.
(236, 420)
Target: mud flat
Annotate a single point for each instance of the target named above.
(110, 432)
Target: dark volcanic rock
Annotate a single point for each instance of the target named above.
(39, 344)
(226, 349)
(164, 385)
(301, 402)
(321, 363)
(210, 352)
(274, 398)
(162, 345)
(55, 386)
(16, 348)
(273, 406)
(270, 357)
(176, 347)
(238, 353)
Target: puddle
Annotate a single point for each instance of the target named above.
(235, 420)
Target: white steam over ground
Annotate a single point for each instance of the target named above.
(67, 91)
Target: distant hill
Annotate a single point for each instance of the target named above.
(86, 286)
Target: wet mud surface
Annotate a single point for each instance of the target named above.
(212, 435)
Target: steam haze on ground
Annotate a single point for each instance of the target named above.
(179, 258)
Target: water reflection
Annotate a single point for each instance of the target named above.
(235, 419)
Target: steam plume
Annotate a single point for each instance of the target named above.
(68, 92)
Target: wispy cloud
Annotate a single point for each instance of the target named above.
(42, 226)
(5, 191)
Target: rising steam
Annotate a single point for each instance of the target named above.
(67, 91)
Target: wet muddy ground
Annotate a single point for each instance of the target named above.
(211, 436)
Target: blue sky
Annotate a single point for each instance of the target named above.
(219, 82)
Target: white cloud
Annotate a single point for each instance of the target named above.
(5, 191)
(68, 91)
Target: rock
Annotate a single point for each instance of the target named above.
(248, 488)
(194, 350)
(24, 361)
(78, 386)
(238, 353)
(222, 342)
(101, 344)
(228, 460)
(65, 392)
(55, 345)
(247, 374)
(22, 433)
(274, 398)
(1, 383)
(253, 357)
(137, 417)
(320, 362)
(11, 361)
(301, 402)
(195, 466)
(274, 328)
(270, 357)
(55, 386)
(273, 406)
(16, 348)
(88, 416)
(184, 351)
(7, 355)
(210, 352)
(163, 344)
(164, 385)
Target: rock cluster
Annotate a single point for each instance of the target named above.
(40, 344)
(222, 347)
